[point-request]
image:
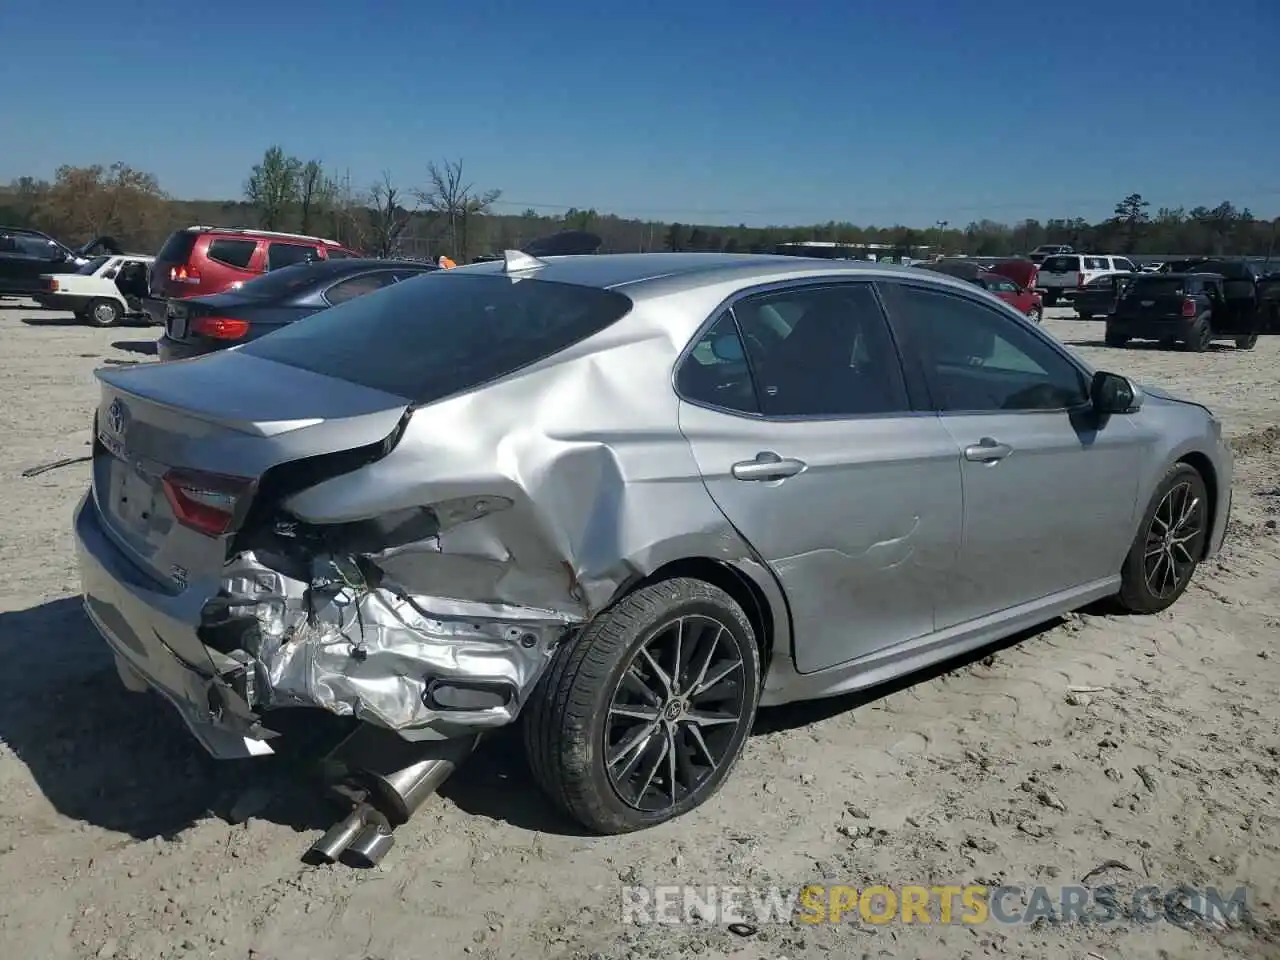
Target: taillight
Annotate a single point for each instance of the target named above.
(184, 274)
(205, 502)
(1188, 307)
(51, 285)
(220, 328)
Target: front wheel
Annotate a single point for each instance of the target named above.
(1247, 343)
(1035, 314)
(1169, 543)
(641, 718)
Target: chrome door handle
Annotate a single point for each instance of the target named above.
(767, 466)
(987, 450)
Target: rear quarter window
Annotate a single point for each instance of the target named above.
(234, 253)
(443, 333)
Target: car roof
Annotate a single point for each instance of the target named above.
(642, 274)
(257, 234)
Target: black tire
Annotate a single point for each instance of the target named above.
(1247, 343)
(1137, 592)
(1116, 339)
(1035, 315)
(103, 313)
(567, 722)
(1200, 337)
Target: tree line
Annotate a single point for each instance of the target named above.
(446, 213)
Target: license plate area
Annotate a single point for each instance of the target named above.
(176, 321)
(135, 500)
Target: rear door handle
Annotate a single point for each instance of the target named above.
(767, 466)
(987, 450)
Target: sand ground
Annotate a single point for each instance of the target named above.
(114, 832)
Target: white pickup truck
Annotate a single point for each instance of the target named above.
(1065, 273)
(102, 292)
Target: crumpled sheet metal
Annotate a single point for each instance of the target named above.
(366, 653)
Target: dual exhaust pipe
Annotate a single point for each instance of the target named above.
(385, 779)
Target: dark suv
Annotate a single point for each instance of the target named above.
(200, 261)
(1193, 309)
(26, 256)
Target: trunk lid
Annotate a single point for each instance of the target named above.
(172, 439)
(1154, 297)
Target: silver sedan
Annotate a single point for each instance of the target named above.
(628, 499)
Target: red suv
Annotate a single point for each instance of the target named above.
(200, 261)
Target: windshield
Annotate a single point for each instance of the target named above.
(93, 266)
(441, 333)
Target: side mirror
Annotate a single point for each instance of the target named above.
(728, 348)
(1112, 393)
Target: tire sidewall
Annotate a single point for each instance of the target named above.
(591, 760)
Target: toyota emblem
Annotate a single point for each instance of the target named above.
(116, 416)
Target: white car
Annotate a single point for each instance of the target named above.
(103, 291)
(1065, 274)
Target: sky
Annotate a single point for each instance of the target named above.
(703, 111)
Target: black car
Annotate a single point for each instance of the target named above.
(27, 255)
(1099, 296)
(1193, 309)
(202, 325)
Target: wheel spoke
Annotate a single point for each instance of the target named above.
(671, 766)
(695, 736)
(663, 746)
(648, 715)
(657, 670)
(705, 718)
(634, 682)
(632, 748)
(707, 685)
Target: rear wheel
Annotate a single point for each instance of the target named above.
(1035, 314)
(1247, 343)
(1169, 543)
(1116, 339)
(1200, 337)
(643, 716)
(103, 312)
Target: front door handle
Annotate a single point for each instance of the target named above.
(767, 466)
(987, 450)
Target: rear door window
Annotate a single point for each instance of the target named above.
(1096, 263)
(450, 332)
(234, 253)
(287, 254)
(1062, 263)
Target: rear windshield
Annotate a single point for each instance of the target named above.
(1157, 286)
(1063, 263)
(177, 248)
(441, 333)
(284, 282)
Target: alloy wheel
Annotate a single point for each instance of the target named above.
(1173, 541)
(675, 713)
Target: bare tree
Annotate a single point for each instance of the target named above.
(314, 193)
(273, 187)
(388, 217)
(456, 202)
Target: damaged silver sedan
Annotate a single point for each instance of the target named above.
(627, 499)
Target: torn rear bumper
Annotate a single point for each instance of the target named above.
(427, 668)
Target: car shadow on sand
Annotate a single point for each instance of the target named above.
(146, 348)
(125, 762)
(1147, 345)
